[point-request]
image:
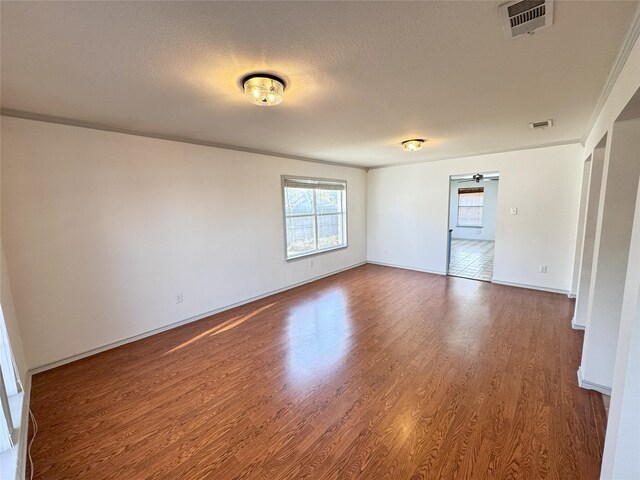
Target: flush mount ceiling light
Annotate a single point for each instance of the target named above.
(263, 88)
(412, 145)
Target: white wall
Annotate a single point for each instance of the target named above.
(102, 230)
(611, 252)
(622, 444)
(582, 220)
(9, 315)
(621, 447)
(8, 310)
(588, 238)
(408, 208)
(489, 211)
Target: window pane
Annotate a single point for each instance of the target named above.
(330, 231)
(470, 199)
(5, 429)
(6, 359)
(329, 201)
(301, 235)
(8, 386)
(298, 201)
(314, 215)
(470, 216)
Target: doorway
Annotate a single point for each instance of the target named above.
(473, 201)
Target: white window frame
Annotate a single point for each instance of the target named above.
(481, 224)
(9, 376)
(7, 430)
(311, 181)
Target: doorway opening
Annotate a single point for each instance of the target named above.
(473, 202)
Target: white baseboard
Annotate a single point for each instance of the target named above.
(586, 384)
(124, 341)
(404, 267)
(530, 287)
(498, 282)
(576, 326)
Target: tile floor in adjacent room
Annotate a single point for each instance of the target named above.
(472, 259)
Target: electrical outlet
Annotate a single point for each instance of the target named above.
(514, 211)
(179, 297)
(543, 269)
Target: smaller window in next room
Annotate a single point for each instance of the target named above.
(470, 201)
(315, 215)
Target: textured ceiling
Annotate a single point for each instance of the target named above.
(362, 75)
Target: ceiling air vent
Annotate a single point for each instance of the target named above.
(539, 125)
(525, 16)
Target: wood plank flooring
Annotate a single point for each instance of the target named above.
(374, 373)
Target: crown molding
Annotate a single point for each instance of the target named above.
(39, 117)
(627, 45)
(477, 154)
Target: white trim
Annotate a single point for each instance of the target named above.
(23, 438)
(315, 214)
(498, 282)
(627, 45)
(13, 461)
(124, 341)
(576, 326)
(40, 117)
(393, 265)
(586, 384)
(571, 295)
(530, 287)
(478, 154)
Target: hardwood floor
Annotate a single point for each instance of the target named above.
(374, 373)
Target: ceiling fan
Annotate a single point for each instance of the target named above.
(478, 177)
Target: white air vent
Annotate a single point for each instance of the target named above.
(538, 125)
(525, 16)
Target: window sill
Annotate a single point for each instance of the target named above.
(469, 226)
(316, 252)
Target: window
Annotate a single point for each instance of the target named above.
(470, 201)
(8, 388)
(315, 215)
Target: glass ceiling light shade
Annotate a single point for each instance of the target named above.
(412, 145)
(263, 88)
